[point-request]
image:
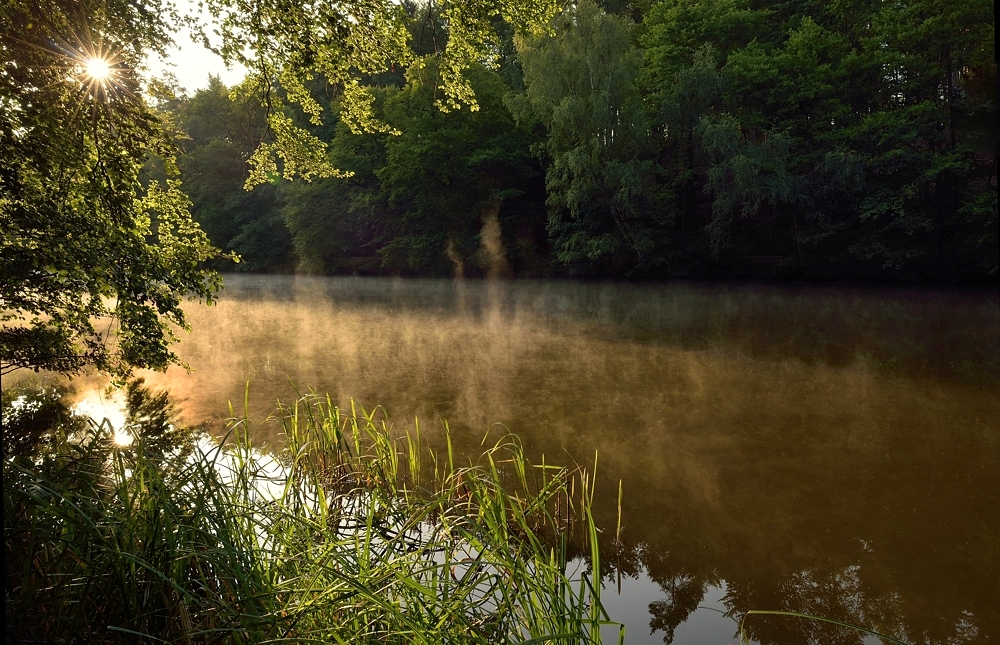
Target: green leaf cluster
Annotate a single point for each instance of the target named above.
(89, 244)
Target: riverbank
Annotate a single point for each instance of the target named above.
(350, 531)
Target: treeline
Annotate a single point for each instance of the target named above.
(645, 140)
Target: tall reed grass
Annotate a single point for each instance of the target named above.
(351, 533)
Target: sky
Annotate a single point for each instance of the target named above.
(190, 62)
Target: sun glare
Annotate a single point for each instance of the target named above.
(98, 69)
(109, 411)
(122, 438)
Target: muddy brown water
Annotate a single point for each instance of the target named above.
(826, 450)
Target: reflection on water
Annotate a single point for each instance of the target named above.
(830, 451)
(107, 407)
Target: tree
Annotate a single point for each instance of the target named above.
(86, 247)
(833, 139)
(452, 182)
(930, 137)
(581, 84)
(454, 191)
(222, 127)
(293, 44)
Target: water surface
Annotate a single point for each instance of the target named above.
(832, 451)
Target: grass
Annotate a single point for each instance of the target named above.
(745, 640)
(351, 533)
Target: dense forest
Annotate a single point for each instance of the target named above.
(643, 140)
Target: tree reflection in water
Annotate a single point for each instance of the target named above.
(907, 546)
(684, 594)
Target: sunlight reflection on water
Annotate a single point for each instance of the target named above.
(99, 407)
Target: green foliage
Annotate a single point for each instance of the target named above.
(350, 532)
(834, 136)
(419, 201)
(85, 244)
(581, 85)
(150, 417)
(676, 30)
(328, 224)
(291, 45)
(447, 172)
(220, 129)
(716, 137)
(35, 418)
(722, 137)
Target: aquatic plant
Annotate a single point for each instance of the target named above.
(351, 532)
(745, 639)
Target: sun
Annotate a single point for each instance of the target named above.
(98, 69)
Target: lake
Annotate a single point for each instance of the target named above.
(827, 450)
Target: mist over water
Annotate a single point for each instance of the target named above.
(833, 451)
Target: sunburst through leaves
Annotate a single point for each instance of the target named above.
(98, 69)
